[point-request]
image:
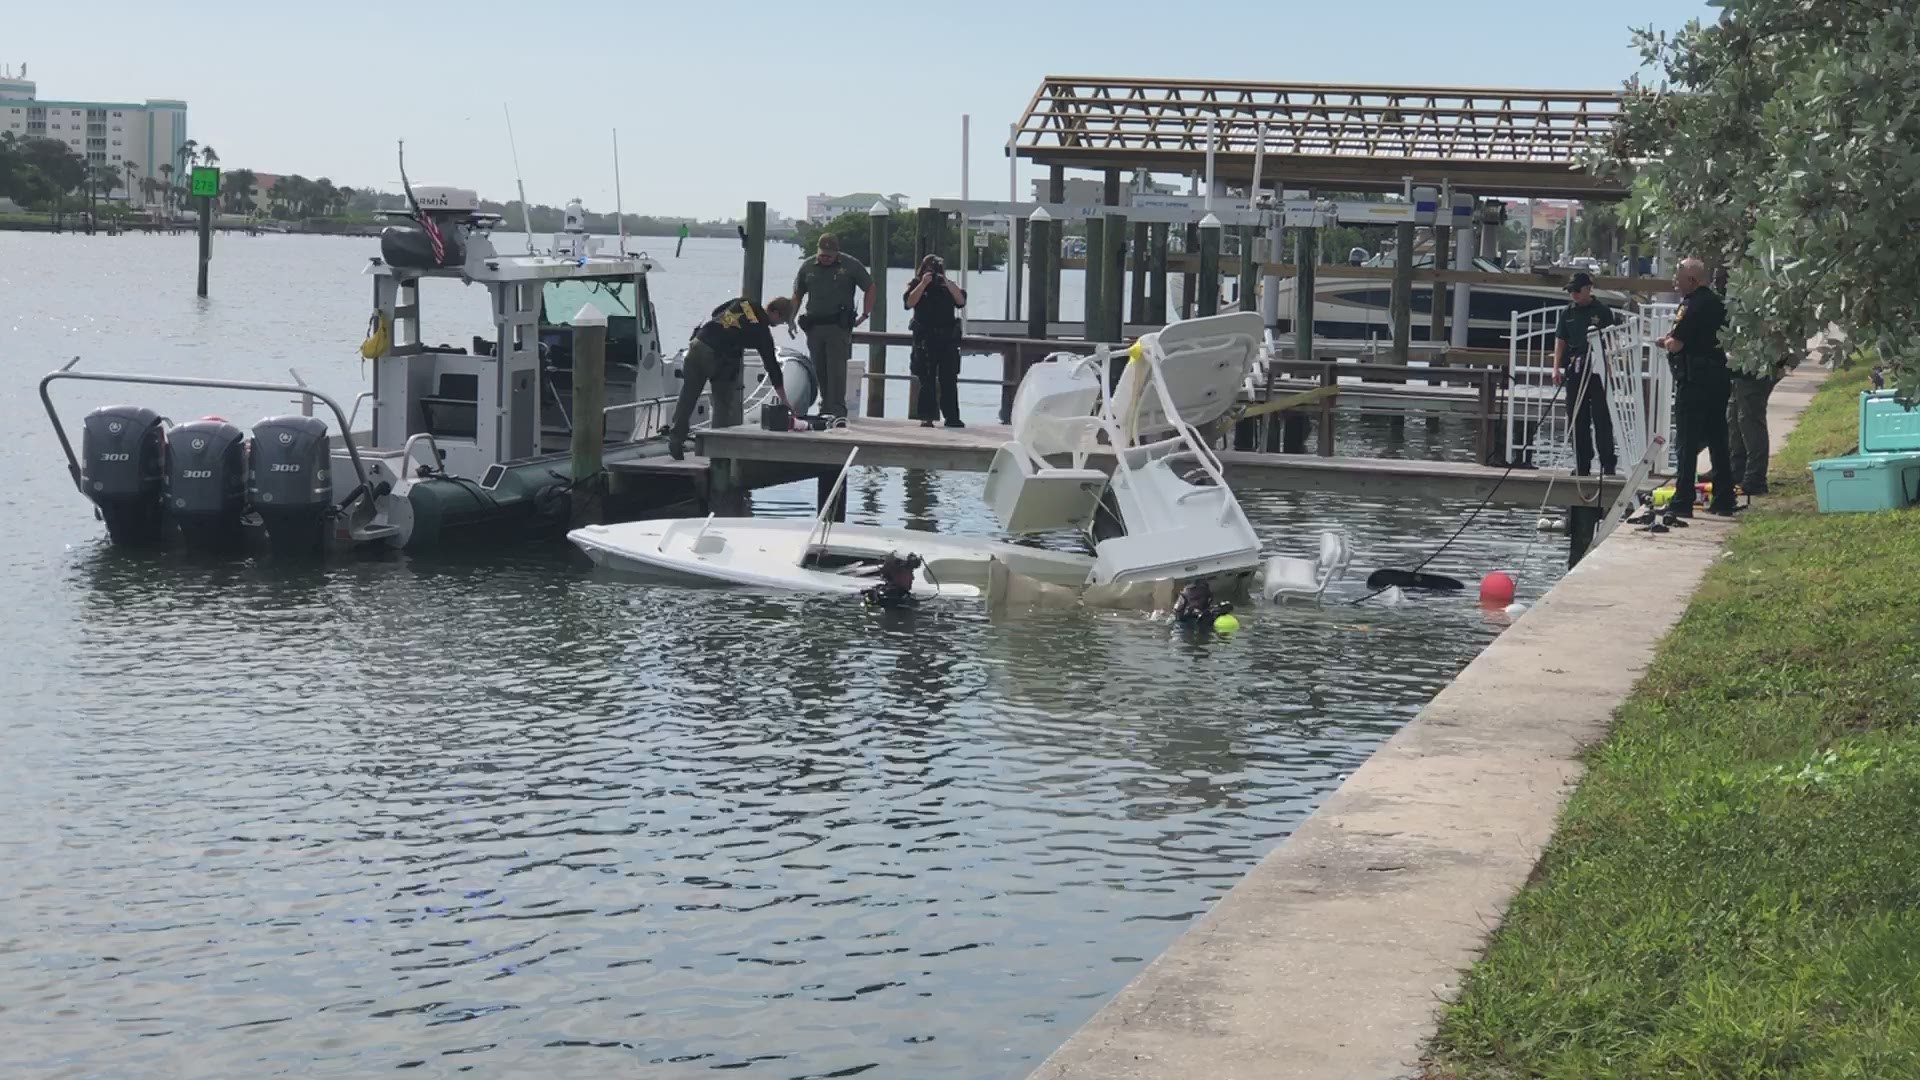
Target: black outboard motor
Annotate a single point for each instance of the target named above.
(207, 482)
(122, 457)
(290, 482)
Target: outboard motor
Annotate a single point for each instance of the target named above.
(290, 481)
(207, 482)
(122, 458)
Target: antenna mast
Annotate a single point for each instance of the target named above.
(618, 213)
(526, 211)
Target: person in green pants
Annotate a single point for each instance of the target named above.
(825, 286)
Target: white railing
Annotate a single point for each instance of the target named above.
(1638, 380)
(1536, 420)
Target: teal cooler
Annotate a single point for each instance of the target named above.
(1866, 482)
(1886, 426)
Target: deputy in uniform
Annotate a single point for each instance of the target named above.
(1747, 439)
(1700, 389)
(1586, 389)
(714, 357)
(826, 285)
(933, 297)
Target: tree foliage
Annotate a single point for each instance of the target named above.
(41, 173)
(1784, 144)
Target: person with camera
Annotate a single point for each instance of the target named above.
(935, 301)
(826, 284)
(715, 356)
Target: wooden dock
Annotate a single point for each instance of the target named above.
(747, 457)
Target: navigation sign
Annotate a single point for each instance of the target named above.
(205, 181)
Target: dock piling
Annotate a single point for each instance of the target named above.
(753, 271)
(1249, 281)
(1113, 279)
(1096, 265)
(589, 405)
(1043, 249)
(879, 218)
(1209, 286)
(1307, 246)
(1402, 293)
(1186, 279)
(1157, 275)
(1056, 194)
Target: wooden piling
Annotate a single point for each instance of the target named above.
(1209, 285)
(589, 410)
(1138, 308)
(1056, 194)
(1110, 189)
(1016, 267)
(753, 271)
(1041, 251)
(1437, 315)
(1113, 280)
(1186, 279)
(1096, 265)
(1249, 281)
(1402, 296)
(1157, 275)
(879, 220)
(1307, 246)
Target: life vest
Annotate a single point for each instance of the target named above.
(379, 336)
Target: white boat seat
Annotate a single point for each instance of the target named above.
(1029, 496)
(1290, 575)
(1184, 552)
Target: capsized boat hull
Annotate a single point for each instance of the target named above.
(765, 553)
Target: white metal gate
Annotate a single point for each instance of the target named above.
(1638, 381)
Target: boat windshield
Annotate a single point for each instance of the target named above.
(561, 300)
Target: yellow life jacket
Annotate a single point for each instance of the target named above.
(379, 336)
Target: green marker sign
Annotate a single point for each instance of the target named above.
(204, 182)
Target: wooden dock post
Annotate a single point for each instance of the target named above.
(589, 410)
(1437, 306)
(1113, 280)
(1307, 246)
(1328, 377)
(1138, 308)
(878, 220)
(1249, 280)
(1157, 275)
(1016, 267)
(1056, 194)
(1209, 287)
(1045, 246)
(1186, 279)
(1096, 265)
(753, 272)
(1402, 297)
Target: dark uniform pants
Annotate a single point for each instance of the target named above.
(1700, 421)
(703, 368)
(830, 347)
(1747, 433)
(1592, 421)
(936, 363)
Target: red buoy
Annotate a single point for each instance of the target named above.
(1496, 588)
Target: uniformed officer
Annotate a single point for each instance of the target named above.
(714, 357)
(1700, 389)
(826, 284)
(1586, 388)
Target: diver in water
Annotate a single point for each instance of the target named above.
(1195, 606)
(895, 589)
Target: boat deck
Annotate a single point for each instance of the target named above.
(905, 444)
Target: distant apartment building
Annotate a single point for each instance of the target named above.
(1077, 191)
(823, 208)
(109, 133)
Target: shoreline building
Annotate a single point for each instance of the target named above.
(109, 133)
(824, 208)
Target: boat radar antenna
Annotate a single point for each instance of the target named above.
(618, 212)
(526, 211)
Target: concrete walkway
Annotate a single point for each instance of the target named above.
(1330, 957)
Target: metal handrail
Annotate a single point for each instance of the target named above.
(67, 372)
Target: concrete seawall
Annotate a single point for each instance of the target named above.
(1330, 957)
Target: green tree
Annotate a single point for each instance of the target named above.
(1784, 144)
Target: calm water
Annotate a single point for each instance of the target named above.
(510, 816)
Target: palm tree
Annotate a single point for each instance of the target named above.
(208, 157)
(130, 167)
(238, 187)
(166, 178)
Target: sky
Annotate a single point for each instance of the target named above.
(720, 103)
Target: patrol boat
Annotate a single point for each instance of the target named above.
(1163, 520)
(464, 441)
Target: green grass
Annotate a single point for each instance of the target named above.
(1734, 890)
